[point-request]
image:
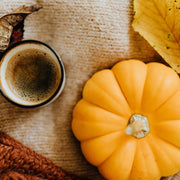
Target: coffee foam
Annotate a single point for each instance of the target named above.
(32, 75)
(19, 92)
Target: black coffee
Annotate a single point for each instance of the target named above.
(33, 75)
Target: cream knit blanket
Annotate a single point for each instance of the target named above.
(89, 35)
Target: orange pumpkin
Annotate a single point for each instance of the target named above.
(128, 121)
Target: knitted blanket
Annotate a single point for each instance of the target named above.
(88, 35)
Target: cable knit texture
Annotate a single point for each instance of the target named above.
(18, 162)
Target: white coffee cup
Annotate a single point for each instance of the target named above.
(31, 74)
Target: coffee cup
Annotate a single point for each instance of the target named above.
(31, 74)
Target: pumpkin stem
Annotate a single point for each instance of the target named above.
(138, 126)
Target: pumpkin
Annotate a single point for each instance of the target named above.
(128, 121)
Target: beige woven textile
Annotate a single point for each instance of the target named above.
(89, 35)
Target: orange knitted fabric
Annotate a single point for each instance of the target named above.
(18, 162)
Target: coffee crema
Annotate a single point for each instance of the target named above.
(33, 75)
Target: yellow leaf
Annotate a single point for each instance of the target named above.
(158, 21)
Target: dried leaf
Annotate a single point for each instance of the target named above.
(17, 34)
(158, 21)
(9, 21)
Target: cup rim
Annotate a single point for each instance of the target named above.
(62, 81)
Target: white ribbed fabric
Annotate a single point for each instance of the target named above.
(89, 35)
